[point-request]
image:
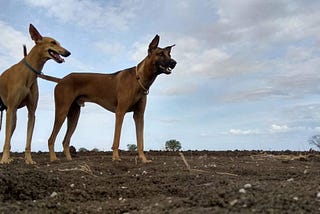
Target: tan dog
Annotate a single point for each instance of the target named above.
(19, 87)
(121, 92)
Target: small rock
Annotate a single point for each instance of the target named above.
(247, 186)
(71, 185)
(53, 194)
(242, 191)
(290, 180)
(318, 195)
(234, 202)
(295, 198)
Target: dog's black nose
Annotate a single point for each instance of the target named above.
(66, 53)
(172, 63)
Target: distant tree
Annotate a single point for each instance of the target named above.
(132, 147)
(173, 145)
(95, 150)
(82, 149)
(315, 140)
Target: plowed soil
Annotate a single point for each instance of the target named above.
(207, 182)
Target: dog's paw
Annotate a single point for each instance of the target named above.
(145, 160)
(30, 161)
(116, 159)
(54, 159)
(6, 160)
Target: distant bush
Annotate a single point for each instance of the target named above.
(173, 145)
(82, 149)
(95, 150)
(132, 147)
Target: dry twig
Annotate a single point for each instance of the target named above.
(188, 166)
(226, 173)
(83, 168)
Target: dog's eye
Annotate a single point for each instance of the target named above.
(53, 42)
(161, 54)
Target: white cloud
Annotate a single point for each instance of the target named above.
(11, 45)
(279, 128)
(112, 50)
(265, 21)
(242, 132)
(89, 14)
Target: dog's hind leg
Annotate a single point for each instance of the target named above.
(11, 119)
(72, 118)
(63, 101)
(58, 121)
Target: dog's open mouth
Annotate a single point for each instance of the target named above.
(166, 70)
(55, 56)
(167, 67)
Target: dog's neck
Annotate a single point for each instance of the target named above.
(34, 62)
(145, 75)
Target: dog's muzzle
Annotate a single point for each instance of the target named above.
(56, 56)
(167, 68)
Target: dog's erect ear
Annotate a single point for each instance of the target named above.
(169, 47)
(154, 43)
(35, 35)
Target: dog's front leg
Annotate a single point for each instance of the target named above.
(138, 117)
(31, 106)
(117, 134)
(11, 118)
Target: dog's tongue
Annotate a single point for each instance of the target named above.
(58, 57)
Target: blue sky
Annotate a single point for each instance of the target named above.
(247, 75)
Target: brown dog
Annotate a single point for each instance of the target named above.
(121, 92)
(19, 87)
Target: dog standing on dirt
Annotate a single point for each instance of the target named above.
(120, 92)
(19, 87)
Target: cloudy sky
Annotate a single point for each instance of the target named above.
(247, 75)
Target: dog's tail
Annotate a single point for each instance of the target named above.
(49, 78)
(25, 51)
(2, 108)
(42, 76)
(1, 115)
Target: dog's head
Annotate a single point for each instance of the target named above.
(49, 47)
(161, 57)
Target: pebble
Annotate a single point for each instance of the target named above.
(247, 186)
(71, 185)
(53, 194)
(242, 191)
(318, 195)
(234, 202)
(290, 180)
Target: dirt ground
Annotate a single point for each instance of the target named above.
(208, 182)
